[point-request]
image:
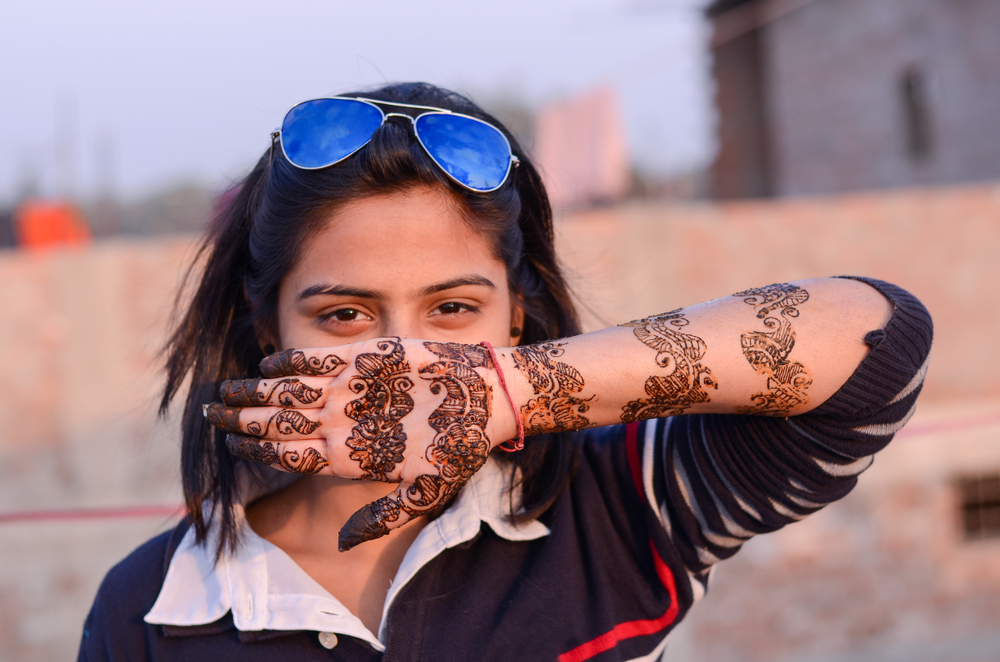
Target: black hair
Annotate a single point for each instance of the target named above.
(255, 240)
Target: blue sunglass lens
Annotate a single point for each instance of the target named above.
(318, 133)
(473, 153)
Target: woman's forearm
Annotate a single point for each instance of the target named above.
(779, 350)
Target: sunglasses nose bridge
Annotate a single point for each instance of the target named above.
(412, 121)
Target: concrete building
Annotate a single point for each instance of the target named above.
(823, 96)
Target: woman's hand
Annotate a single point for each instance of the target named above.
(423, 414)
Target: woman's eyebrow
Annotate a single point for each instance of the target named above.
(339, 290)
(472, 279)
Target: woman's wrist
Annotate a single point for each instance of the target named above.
(550, 394)
(500, 401)
(505, 428)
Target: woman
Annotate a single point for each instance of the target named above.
(356, 501)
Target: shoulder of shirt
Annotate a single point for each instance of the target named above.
(130, 587)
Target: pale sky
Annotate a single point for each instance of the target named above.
(144, 96)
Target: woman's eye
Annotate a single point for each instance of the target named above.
(346, 315)
(453, 308)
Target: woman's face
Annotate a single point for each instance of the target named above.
(402, 264)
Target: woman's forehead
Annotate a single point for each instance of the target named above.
(421, 217)
(407, 243)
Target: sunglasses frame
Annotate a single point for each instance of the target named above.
(432, 110)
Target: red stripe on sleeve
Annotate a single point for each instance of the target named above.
(630, 629)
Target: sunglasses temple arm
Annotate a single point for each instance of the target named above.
(274, 136)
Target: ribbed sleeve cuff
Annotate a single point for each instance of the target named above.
(898, 354)
(880, 396)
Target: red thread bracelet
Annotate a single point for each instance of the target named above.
(518, 444)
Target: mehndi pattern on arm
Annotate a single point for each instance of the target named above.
(556, 407)
(686, 381)
(768, 351)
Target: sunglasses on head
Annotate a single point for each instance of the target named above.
(322, 132)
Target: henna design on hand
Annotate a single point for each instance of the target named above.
(285, 421)
(244, 393)
(377, 441)
(557, 408)
(459, 448)
(291, 362)
(767, 351)
(311, 461)
(680, 354)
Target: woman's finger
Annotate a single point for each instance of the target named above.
(286, 392)
(312, 362)
(266, 422)
(426, 495)
(305, 456)
(375, 520)
(294, 457)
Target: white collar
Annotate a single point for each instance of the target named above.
(266, 590)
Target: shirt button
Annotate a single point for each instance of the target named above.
(327, 640)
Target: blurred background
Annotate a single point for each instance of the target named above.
(693, 148)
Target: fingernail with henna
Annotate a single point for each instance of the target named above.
(223, 417)
(239, 445)
(238, 392)
(251, 448)
(278, 365)
(362, 527)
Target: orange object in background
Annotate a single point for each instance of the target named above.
(41, 223)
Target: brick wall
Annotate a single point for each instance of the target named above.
(78, 384)
(939, 243)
